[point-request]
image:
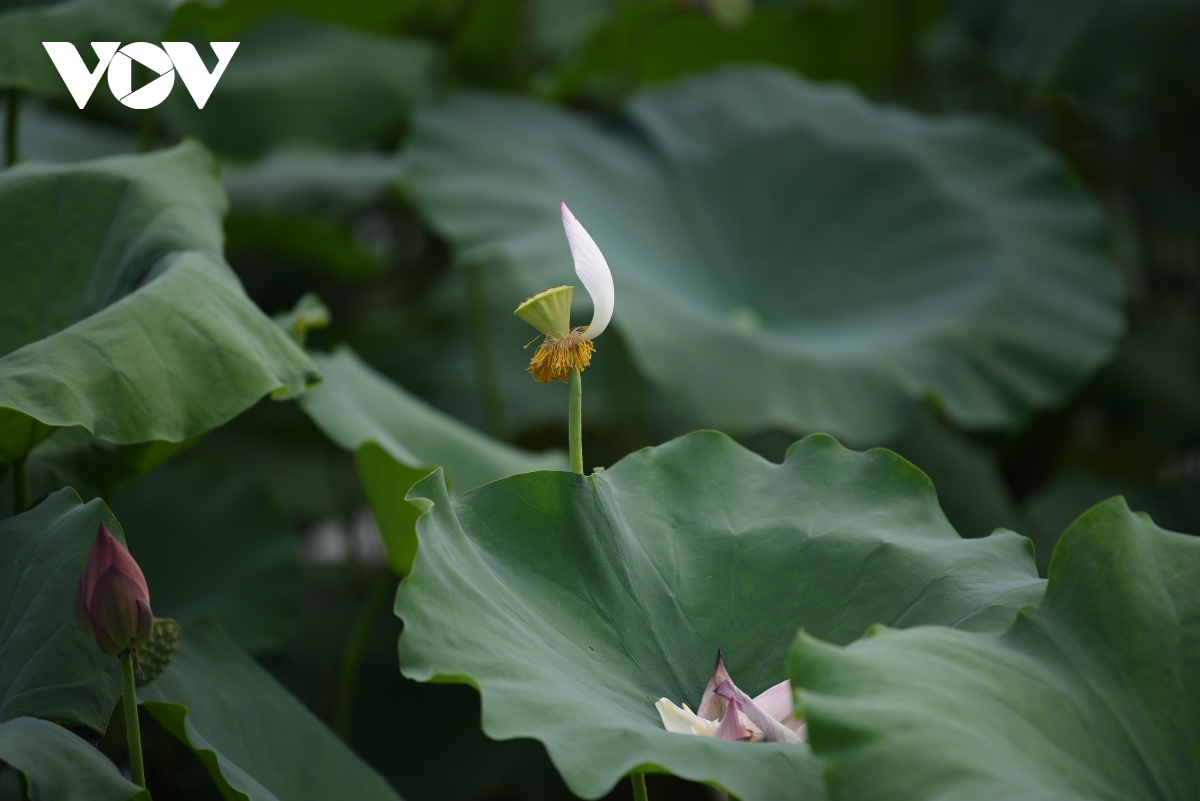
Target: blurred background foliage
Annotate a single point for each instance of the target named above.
(962, 229)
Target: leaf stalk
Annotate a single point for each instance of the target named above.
(639, 786)
(352, 656)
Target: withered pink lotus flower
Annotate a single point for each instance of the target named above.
(112, 601)
(727, 712)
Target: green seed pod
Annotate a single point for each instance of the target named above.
(549, 311)
(158, 652)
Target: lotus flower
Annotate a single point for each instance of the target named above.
(112, 602)
(727, 712)
(566, 349)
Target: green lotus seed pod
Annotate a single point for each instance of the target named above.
(155, 655)
(549, 311)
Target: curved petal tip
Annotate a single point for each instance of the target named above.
(592, 269)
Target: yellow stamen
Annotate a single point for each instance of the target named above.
(557, 357)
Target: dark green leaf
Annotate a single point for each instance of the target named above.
(50, 669)
(789, 254)
(1153, 384)
(356, 87)
(213, 543)
(1172, 501)
(1089, 695)
(60, 766)
(971, 489)
(115, 281)
(76, 458)
(574, 603)
(304, 182)
(1108, 49)
(258, 742)
(514, 769)
(862, 42)
(320, 210)
(561, 26)
(45, 133)
(397, 439)
(281, 449)
(25, 25)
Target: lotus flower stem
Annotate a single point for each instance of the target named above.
(11, 114)
(133, 734)
(343, 703)
(20, 486)
(575, 433)
(639, 786)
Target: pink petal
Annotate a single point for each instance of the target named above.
(116, 613)
(778, 703)
(122, 560)
(732, 727)
(773, 731)
(712, 706)
(99, 560)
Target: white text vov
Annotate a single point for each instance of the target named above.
(163, 61)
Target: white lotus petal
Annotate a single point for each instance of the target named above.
(683, 720)
(593, 270)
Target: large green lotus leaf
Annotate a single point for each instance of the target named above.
(214, 543)
(398, 439)
(258, 742)
(25, 24)
(789, 254)
(573, 603)
(119, 313)
(50, 670)
(297, 81)
(59, 766)
(1090, 695)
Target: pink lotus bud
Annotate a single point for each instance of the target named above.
(112, 602)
